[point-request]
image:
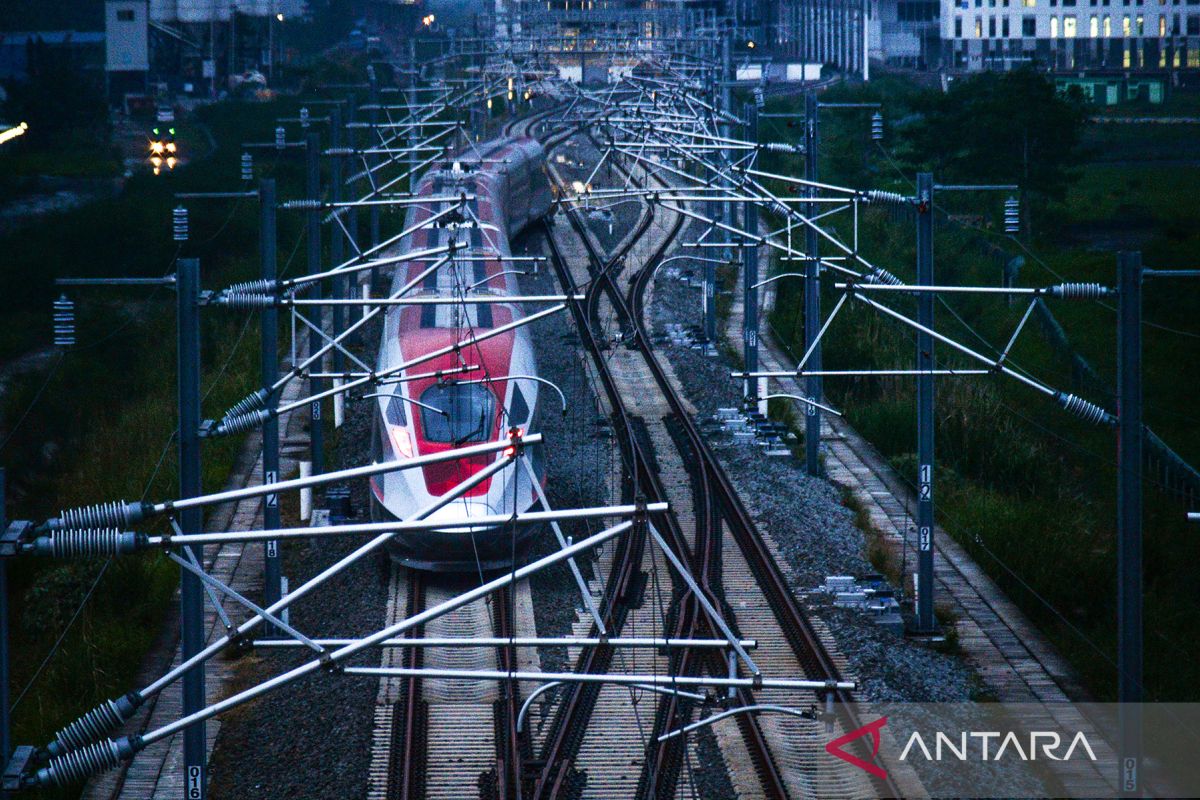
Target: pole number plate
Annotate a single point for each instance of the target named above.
(195, 783)
(925, 483)
(272, 548)
(1129, 779)
(925, 540)
(271, 476)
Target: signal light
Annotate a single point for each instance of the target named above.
(876, 127)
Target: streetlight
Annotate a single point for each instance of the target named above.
(13, 132)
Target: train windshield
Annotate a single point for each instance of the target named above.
(464, 413)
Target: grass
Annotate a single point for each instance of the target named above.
(1027, 490)
(100, 424)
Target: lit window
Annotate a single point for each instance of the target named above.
(1094, 27)
(1162, 28)
(1054, 27)
(1069, 27)
(1029, 3)
(1127, 62)
(1125, 31)
(1107, 26)
(979, 27)
(1141, 25)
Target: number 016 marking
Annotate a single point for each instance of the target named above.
(195, 783)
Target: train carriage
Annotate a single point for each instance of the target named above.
(484, 388)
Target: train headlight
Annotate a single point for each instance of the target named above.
(401, 441)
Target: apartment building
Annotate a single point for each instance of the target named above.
(1072, 35)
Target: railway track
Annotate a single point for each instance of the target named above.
(601, 741)
(437, 736)
(747, 576)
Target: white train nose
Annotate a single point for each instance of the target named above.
(459, 510)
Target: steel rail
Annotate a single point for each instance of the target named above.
(804, 641)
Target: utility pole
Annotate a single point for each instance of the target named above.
(750, 274)
(925, 365)
(191, 520)
(726, 85)
(372, 141)
(313, 220)
(5, 719)
(269, 365)
(337, 250)
(812, 292)
(1129, 519)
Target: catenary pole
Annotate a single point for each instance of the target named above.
(269, 365)
(750, 274)
(191, 520)
(1129, 523)
(313, 219)
(812, 293)
(925, 364)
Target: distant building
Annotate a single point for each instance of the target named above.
(906, 33)
(1072, 35)
(84, 48)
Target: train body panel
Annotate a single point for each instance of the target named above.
(485, 389)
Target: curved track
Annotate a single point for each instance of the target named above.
(752, 570)
(595, 742)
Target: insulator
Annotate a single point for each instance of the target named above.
(251, 402)
(179, 224)
(87, 543)
(64, 322)
(877, 127)
(337, 212)
(1012, 215)
(93, 725)
(246, 301)
(1079, 291)
(880, 196)
(1085, 409)
(280, 138)
(76, 766)
(302, 205)
(242, 422)
(118, 514)
(247, 167)
(881, 275)
(780, 147)
(304, 121)
(256, 287)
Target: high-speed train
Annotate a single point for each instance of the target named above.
(484, 388)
